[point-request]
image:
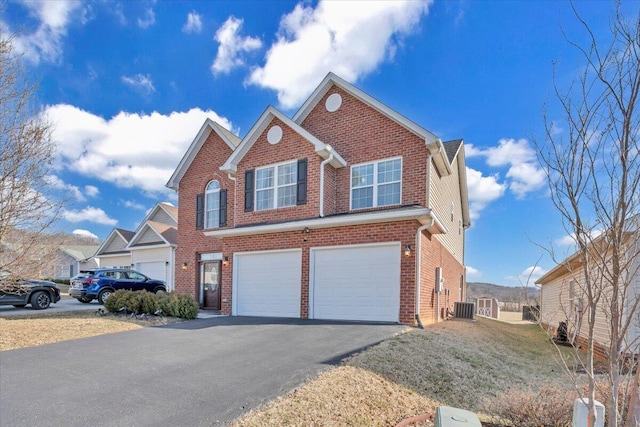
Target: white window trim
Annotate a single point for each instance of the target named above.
(375, 183)
(208, 194)
(275, 185)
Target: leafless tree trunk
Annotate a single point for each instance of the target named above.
(592, 159)
(27, 211)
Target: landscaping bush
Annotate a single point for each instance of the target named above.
(171, 304)
(552, 406)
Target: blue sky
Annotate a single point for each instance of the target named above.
(127, 86)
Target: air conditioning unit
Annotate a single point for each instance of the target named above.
(454, 417)
(464, 310)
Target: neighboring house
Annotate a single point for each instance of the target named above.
(113, 252)
(150, 249)
(153, 245)
(348, 211)
(563, 299)
(73, 259)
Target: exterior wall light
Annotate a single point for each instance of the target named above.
(407, 250)
(226, 261)
(185, 266)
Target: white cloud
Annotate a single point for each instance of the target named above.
(193, 24)
(46, 42)
(147, 20)
(84, 233)
(128, 150)
(482, 191)
(91, 191)
(529, 275)
(89, 214)
(524, 174)
(140, 83)
(473, 273)
(132, 204)
(350, 38)
(232, 45)
(57, 183)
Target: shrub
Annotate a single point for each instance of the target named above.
(552, 406)
(171, 304)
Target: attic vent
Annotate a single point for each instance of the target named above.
(274, 135)
(334, 101)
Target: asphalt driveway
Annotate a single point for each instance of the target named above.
(204, 372)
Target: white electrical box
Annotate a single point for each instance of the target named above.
(454, 417)
(439, 280)
(581, 413)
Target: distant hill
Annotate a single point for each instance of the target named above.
(501, 293)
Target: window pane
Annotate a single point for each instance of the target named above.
(213, 185)
(212, 205)
(287, 174)
(287, 196)
(361, 176)
(389, 194)
(389, 171)
(212, 219)
(264, 178)
(264, 199)
(362, 198)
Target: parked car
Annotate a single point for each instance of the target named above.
(19, 292)
(81, 275)
(103, 282)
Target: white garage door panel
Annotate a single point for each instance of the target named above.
(155, 270)
(268, 284)
(357, 283)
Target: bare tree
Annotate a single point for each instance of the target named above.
(26, 155)
(592, 159)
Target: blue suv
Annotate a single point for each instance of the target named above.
(103, 282)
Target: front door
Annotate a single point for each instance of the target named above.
(210, 285)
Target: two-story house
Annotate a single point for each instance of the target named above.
(347, 210)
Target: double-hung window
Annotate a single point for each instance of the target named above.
(376, 184)
(212, 205)
(276, 186)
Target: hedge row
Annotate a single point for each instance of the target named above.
(139, 302)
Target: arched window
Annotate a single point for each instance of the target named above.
(212, 205)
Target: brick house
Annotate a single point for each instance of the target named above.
(347, 210)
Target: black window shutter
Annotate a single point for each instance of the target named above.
(223, 208)
(248, 191)
(199, 211)
(301, 194)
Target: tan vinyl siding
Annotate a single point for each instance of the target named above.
(116, 245)
(163, 217)
(151, 255)
(149, 237)
(444, 191)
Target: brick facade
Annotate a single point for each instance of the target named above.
(357, 132)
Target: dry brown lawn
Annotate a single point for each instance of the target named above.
(34, 330)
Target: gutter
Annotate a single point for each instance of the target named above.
(235, 195)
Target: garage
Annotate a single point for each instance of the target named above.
(267, 283)
(355, 282)
(156, 270)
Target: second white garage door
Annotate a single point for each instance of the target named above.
(356, 282)
(155, 270)
(267, 283)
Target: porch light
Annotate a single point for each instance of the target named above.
(407, 250)
(226, 261)
(185, 266)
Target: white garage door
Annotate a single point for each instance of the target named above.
(356, 282)
(155, 270)
(267, 283)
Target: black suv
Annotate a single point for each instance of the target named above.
(18, 293)
(104, 281)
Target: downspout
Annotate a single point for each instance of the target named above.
(419, 242)
(322, 165)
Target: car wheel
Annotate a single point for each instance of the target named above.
(85, 300)
(103, 295)
(40, 300)
(19, 305)
(159, 291)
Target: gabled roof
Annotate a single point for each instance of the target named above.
(323, 150)
(80, 253)
(455, 149)
(117, 233)
(331, 80)
(167, 208)
(209, 126)
(167, 235)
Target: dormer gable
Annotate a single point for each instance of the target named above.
(154, 234)
(332, 80)
(116, 242)
(231, 140)
(325, 151)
